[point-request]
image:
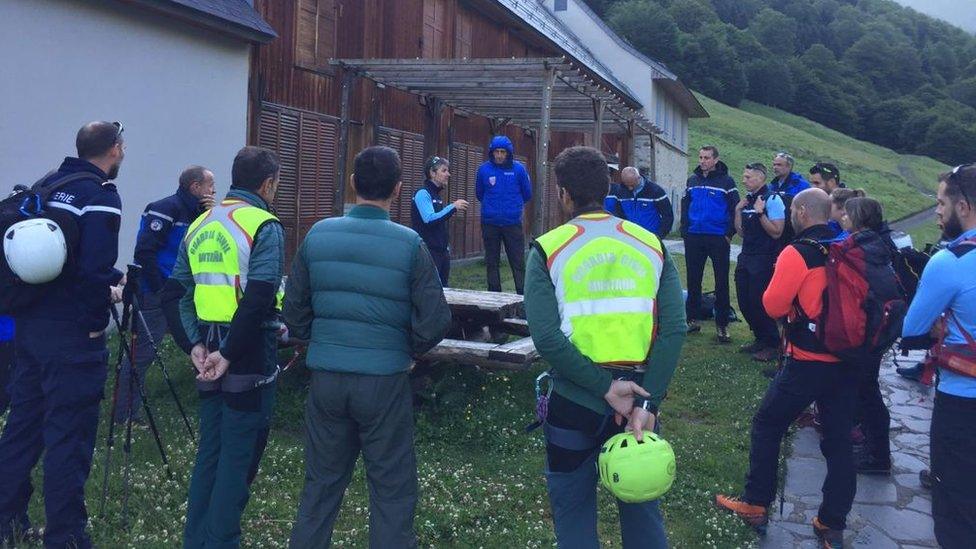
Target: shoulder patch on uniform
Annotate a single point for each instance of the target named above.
(156, 225)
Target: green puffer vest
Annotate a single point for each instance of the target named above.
(359, 269)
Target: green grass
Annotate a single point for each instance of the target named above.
(927, 233)
(481, 480)
(754, 133)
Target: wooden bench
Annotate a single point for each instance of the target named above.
(515, 355)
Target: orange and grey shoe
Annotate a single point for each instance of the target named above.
(755, 516)
(828, 537)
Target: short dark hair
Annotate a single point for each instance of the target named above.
(712, 149)
(865, 213)
(252, 166)
(826, 170)
(376, 172)
(191, 175)
(583, 173)
(961, 183)
(96, 138)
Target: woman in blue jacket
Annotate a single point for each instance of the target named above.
(430, 216)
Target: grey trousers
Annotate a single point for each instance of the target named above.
(143, 354)
(347, 414)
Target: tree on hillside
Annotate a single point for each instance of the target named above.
(770, 82)
(776, 31)
(737, 12)
(691, 15)
(844, 30)
(647, 26)
(710, 62)
(964, 91)
(950, 141)
(882, 121)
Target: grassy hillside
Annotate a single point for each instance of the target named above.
(755, 132)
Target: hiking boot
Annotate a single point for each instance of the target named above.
(828, 537)
(869, 465)
(693, 326)
(925, 479)
(768, 354)
(755, 516)
(750, 348)
(722, 334)
(913, 373)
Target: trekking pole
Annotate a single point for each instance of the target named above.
(110, 440)
(162, 366)
(145, 401)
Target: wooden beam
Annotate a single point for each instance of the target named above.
(598, 107)
(542, 155)
(342, 175)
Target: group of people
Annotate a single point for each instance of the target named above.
(603, 302)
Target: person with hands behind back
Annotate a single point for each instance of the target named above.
(231, 264)
(599, 291)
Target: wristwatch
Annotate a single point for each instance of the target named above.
(645, 404)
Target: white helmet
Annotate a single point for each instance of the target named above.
(35, 250)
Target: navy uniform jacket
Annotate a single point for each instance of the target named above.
(82, 291)
(161, 230)
(708, 206)
(647, 205)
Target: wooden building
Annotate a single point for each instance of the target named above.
(427, 77)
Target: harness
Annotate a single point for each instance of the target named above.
(957, 358)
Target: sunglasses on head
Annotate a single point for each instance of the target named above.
(119, 130)
(757, 167)
(955, 178)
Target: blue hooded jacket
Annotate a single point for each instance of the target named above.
(502, 189)
(708, 205)
(791, 185)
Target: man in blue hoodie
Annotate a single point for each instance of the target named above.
(503, 188)
(707, 226)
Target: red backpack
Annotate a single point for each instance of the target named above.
(863, 303)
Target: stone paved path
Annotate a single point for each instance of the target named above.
(889, 512)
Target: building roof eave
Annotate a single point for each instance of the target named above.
(236, 18)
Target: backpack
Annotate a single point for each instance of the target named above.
(909, 264)
(863, 302)
(15, 294)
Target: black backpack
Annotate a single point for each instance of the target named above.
(15, 294)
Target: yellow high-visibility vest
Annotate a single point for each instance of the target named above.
(607, 272)
(218, 245)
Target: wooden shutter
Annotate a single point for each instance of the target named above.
(410, 147)
(306, 144)
(315, 34)
(466, 240)
(435, 29)
(463, 30)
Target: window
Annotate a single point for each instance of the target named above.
(463, 29)
(435, 30)
(315, 34)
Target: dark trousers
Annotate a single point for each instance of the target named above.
(571, 479)
(442, 262)
(698, 249)
(511, 235)
(144, 356)
(953, 452)
(832, 387)
(347, 414)
(56, 386)
(234, 431)
(752, 276)
(871, 412)
(6, 365)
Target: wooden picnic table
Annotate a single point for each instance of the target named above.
(500, 313)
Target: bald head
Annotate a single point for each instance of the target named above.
(630, 177)
(810, 207)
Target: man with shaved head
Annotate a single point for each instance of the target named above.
(640, 201)
(810, 374)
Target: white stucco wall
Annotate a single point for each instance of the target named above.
(671, 172)
(628, 68)
(179, 90)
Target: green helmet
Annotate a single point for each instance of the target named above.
(636, 472)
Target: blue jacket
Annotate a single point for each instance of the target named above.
(708, 205)
(161, 231)
(790, 186)
(429, 217)
(946, 284)
(647, 205)
(82, 292)
(6, 331)
(502, 189)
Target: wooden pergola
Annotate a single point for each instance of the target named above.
(543, 94)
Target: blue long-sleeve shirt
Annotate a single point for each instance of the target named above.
(429, 216)
(947, 283)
